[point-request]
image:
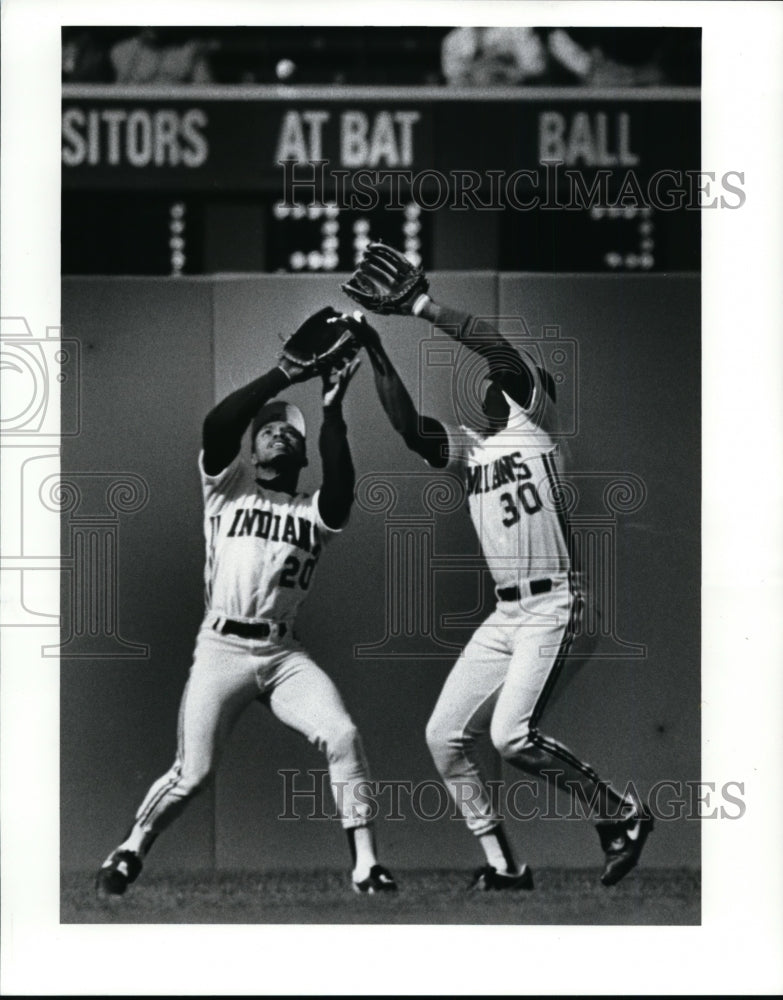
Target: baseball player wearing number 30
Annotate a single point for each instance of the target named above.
(263, 542)
(504, 678)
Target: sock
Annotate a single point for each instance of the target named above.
(498, 851)
(137, 840)
(362, 846)
(616, 808)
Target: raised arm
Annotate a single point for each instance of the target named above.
(336, 493)
(225, 424)
(387, 282)
(506, 366)
(422, 434)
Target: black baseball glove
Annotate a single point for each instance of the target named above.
(386, 282)
(322, 343)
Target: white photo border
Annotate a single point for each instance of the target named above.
(737, 948)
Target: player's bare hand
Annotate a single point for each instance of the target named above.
(366, 334)
(336, 383)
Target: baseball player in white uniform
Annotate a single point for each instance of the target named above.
(263, 543)
(502, 681)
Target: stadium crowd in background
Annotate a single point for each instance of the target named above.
(157, 56)
(598, 57)
(408, 56)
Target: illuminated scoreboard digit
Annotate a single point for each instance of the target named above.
(602, 238)
(323, 238)
(642, 255)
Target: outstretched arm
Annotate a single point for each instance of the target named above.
(336, 494)
(388, 282)
(424, 435)
(506, 365)
(225, 424)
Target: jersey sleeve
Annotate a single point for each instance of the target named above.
(540, 405)
(542, 382)
(323, 527)
(460, 441)
(217, 489)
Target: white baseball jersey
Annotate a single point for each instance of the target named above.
(262, 546)
(513, 491)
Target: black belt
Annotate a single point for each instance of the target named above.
(249, 630)
(534, 586)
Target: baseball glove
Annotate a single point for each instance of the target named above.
(322, 343)
(386, 282)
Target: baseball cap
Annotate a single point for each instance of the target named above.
(279, 410)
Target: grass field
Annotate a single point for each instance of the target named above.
(562, 896)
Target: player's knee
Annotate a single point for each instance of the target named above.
(342, 741)
(511, 743)
(444, 741)
(437, 736)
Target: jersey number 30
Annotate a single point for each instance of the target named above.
(527, 495)
(288, 578)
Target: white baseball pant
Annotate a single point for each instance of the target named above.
(228, 673)
(499, 685)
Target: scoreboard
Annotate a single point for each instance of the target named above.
(196, 180)
(331, 239)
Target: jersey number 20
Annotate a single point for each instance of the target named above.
(288, 577)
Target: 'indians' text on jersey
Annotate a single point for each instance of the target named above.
(514, 493)
(262, 546)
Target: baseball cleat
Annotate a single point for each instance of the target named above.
(489, 879)
(380, 879)
(117, 873)
(622, 844)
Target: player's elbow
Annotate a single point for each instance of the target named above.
(409, 428)
(411, 439)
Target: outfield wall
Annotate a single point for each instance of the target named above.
(156, 353)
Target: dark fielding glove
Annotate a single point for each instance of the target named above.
(322, 343)
(386, 282)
